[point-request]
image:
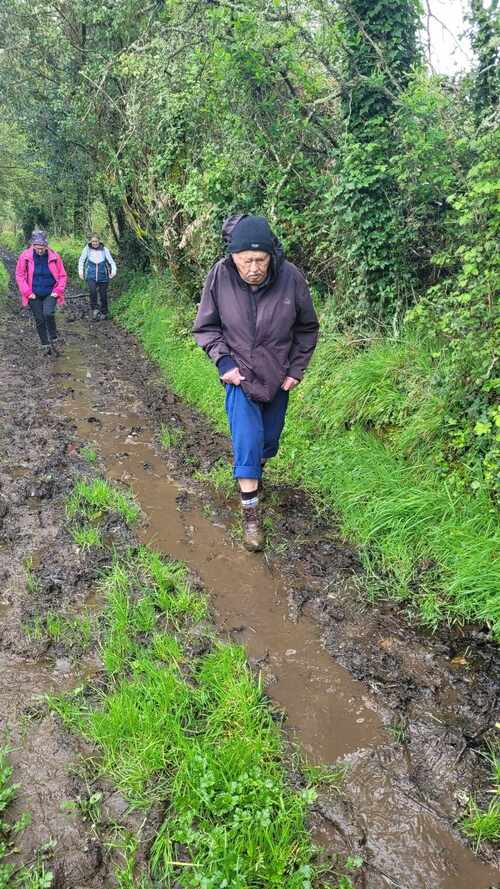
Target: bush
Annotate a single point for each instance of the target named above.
(11, 241)
(69, 249)
(4, 279)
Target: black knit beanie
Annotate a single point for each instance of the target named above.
(251, 233)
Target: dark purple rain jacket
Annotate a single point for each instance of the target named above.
(270, 333)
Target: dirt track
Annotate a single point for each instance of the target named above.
(409, 713)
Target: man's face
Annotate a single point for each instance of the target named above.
(39, 249)
(252, 265)
(94, 243)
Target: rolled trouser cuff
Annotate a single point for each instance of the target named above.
(240, 471)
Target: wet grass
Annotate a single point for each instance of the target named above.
(364, 433)
(87, 537)
(483, 824)
(34, 876)
(88, 453)
(4, 280)
(91, 500)
(193, 732)
(170, 437)
(73, 631)
(220, 476)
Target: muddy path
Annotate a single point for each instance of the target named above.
(408, 713)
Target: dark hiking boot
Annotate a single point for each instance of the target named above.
(55, 348)
(46, 350)
(253, 532)
(96, 315)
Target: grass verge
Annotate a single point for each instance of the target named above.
(193, 732)
(364, 434)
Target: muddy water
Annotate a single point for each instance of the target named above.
(333, 715)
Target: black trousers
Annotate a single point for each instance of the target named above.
(102, 289)
(43, 308)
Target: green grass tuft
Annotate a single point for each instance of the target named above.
(221, 477)
(484, 825)
(92, 500)
(170, 437)
(76, 632)
(89, 454)
(87, 537)
(480, 826)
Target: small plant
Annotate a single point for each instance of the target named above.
(89, 807)
(87, 537)
(345, 883)
(324, 776)
(169, 437)
(482, 825)
(35, 629)
(54, 625)
(89, 454)
(399, 731)
(36, 877)
(7, 789)
(32, 581)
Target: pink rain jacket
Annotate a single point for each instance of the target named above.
(24, 275)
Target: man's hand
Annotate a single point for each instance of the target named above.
(32, 296)
(289, 383)
(232, 376)
(80, 276)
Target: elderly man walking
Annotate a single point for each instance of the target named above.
(256, 322)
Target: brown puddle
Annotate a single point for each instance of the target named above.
(332, 714)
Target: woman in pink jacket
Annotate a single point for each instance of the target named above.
(41, 279)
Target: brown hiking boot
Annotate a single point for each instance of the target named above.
(253, 532)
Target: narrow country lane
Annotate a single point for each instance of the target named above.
(359, 687)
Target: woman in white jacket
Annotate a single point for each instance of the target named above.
(96, 266)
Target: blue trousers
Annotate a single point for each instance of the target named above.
(255, 427)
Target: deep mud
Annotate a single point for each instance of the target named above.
(410, 713)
